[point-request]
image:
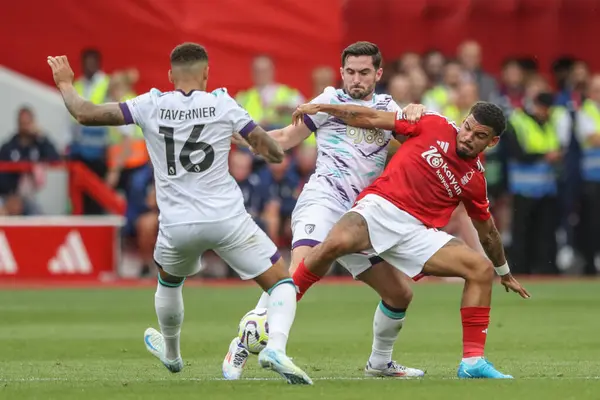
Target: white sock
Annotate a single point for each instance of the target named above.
(168, 302)
(281, 311)
(471, 360)
(263, 302)
(386, 327)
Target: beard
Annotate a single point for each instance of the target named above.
(360, 93)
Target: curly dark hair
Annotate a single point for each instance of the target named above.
(491, 115)
(188, 53)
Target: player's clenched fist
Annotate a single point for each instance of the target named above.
(61, 70)
(298, 115)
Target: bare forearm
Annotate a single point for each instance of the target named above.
(290, 136)
(493, 247)
(360, 117)
(88, 113)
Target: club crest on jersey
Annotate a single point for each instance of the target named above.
(465, 179)
(433, 157)
(309, 228)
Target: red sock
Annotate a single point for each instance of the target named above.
(475, 321)
(304, 279)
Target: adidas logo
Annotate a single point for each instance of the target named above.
(7, 259)
(71, 257)
(443, 145)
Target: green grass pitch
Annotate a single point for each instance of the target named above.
(87, 344)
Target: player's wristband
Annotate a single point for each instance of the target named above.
(503, 269)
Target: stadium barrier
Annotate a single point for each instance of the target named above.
(64, 247)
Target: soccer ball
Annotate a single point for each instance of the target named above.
(254, 330)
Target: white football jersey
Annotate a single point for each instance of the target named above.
(349, 158)
(188, 137)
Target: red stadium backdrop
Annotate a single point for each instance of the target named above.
(545, 29)
(298, 34)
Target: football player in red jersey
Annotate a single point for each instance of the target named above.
(399, 215)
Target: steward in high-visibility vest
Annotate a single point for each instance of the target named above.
(268, 114)
(533, 179)
(90, 142)
(588, 134)
(534, 152)
(437, 98)
(126, 151)
(590, 163)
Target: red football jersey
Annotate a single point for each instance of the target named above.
(427, 179)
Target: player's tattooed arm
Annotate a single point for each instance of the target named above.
(491, 241)
(358, 116)
(265, 145)
(85, 112)
(88, 113)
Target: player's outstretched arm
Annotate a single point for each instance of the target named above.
(491, 241)
(358, 116)
(290, 136)
(85, 112)
(265, 145)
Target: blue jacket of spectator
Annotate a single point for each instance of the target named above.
(137, 192)
(284, 190)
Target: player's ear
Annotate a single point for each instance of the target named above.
(342, 72)
(170, 76)
(494, 141)
(206, 73)
(378, 74)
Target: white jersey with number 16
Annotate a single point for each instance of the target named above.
(188, 137)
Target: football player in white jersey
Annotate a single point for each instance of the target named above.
(349, 159)
(188, 135)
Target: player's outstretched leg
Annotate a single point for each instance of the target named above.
(168, 302)
(458, 260)
(237, 355)
(396, 295)
(281, 311)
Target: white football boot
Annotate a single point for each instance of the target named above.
(277, 361)
(155, 343)
(235, 360)
(393, 370)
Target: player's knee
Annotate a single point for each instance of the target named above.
(338, 245)
(481, 270)
(399, 298)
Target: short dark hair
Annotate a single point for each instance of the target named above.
(363, 49)
(489, 114)
(187, 53)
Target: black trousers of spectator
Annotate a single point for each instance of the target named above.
(98, 167)
(590, 221)
(534, 223)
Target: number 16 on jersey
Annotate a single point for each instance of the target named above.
(191, 145)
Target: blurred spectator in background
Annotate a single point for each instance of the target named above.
(588, 132)
(461, 100)
(269, 103)
(438, 97)
(433, 64)
(306, 158)
(469, 54)
(255, 195)
(399, 87)
(280, 181)
(89, 143)
(561, 68)
(321, 78)
(127, 152)
(409, 62)
(27, 145)
(418, 85)
(534, 151)
(573, 94)
(142, 215)
(512, 86)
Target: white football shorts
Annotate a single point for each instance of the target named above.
(238, 241)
